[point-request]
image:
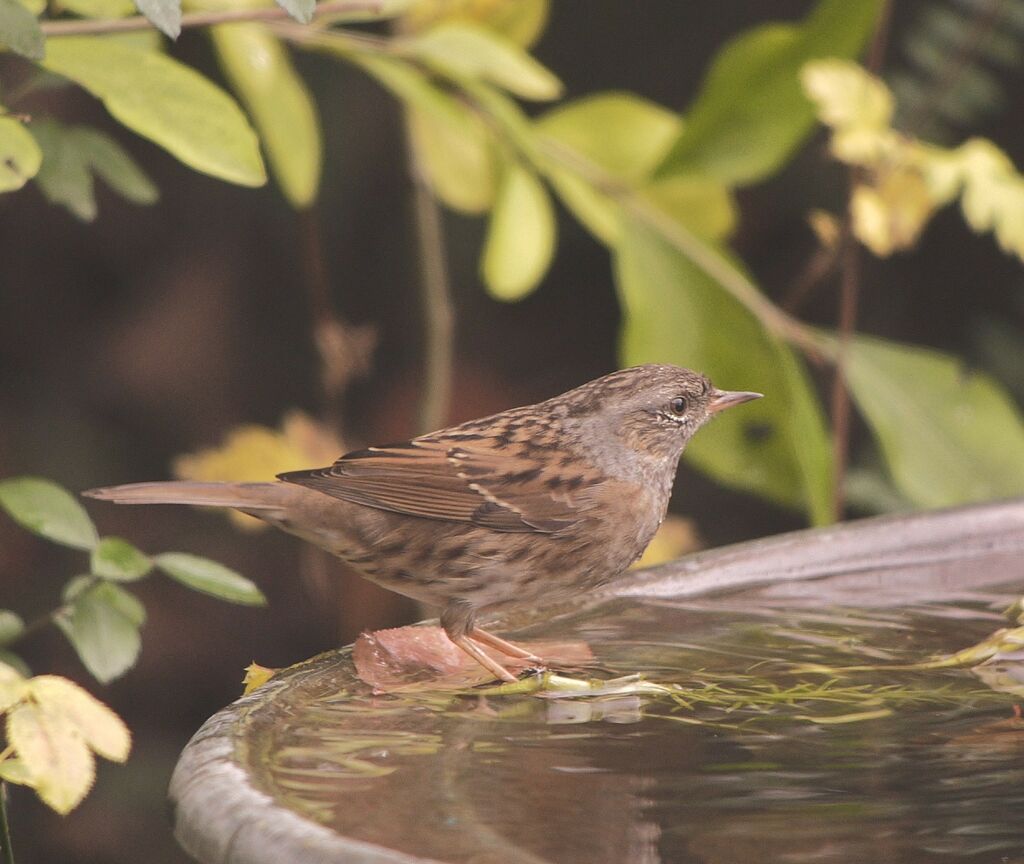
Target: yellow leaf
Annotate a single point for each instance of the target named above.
(20, 156)
(825, 227)
(254, 453)
(890, 215)
(100, 727)
(54, 754)
(856, 104)
(256, 676)
(675, 537)
(520, 21)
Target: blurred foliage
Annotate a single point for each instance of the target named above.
(654, 186)
(53, 725)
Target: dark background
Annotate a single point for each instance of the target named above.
(154, 331)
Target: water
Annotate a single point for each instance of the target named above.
(763, 757)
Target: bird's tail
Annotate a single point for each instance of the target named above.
(242, 496)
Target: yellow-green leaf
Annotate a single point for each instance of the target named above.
(521, 235)
(750, 114)
(202, 574)
(624, 134)
(776, 446)
(948, 435)
(521, 21)
(467, 50)
(47, 509)
(100, 727)
(13, 687)
(99, 8)
(261, 73)
(117, 559)
(163, 100)
(54, 755)
(14, 771)
(704, 205)
(20, 156)
(453, 146)
(103, 627)
(20, 31)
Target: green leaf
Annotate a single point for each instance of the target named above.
(751, 115)
(64, 177)
(521, 236)
(112, 164)
(11, 626)
(20, 31)
(119, 560)
(282, 109)
(14, 771)
(776, 447)
(103, 627)
(948, 435)
(20, 156)
(703, 205)
(165, 101)
(46, 509)
(212, 578)
(165, 15)
(466, 50)
(300, 10)
(453, 146)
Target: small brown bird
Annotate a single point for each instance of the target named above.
(530, 505)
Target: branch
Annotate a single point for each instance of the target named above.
(86, 27)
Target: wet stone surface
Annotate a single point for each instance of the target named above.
(800, 724)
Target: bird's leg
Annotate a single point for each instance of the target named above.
(509, 649)
(457, 619)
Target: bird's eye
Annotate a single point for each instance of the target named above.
(678, 405)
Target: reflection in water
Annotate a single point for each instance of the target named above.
(784, 774)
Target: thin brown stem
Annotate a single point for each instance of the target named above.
(435, 296)
(849, 291)
(88, 27)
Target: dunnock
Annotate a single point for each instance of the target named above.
(529, 505)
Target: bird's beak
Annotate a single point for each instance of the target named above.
(722, 399)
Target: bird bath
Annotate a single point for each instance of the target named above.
(805, 725)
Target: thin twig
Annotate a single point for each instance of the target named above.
(86, 27)
(849, 291)
(435, 296)
(5, 826)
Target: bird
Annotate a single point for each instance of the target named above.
(532, 505)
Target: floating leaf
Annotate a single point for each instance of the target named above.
(202, 574)
(165, 15)
(776, 446)
(100, 727)
(119, 560)
(948, 435)
(165, 101)
(20, 156)
(467, 50)
(521, 236)
(103, 627)
(281, 106)
(19, 30)
(46, 509)
(54, 755)
(750, 114)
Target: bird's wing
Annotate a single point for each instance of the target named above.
(442, 479)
